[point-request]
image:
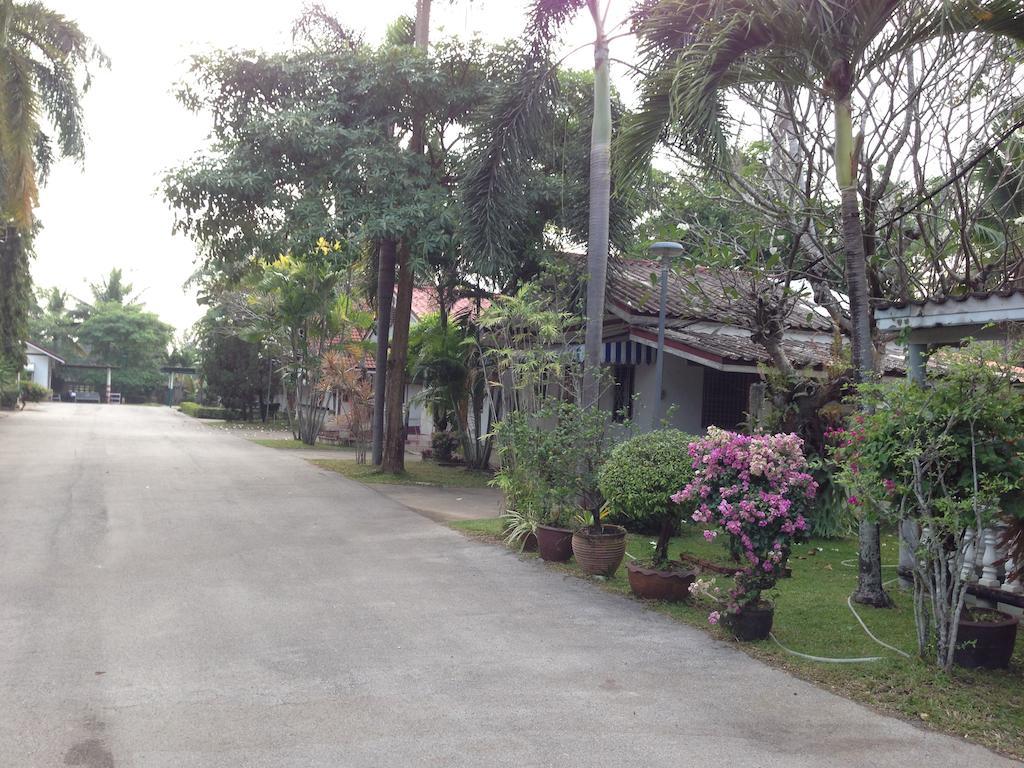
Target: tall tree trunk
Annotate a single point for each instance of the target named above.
(394, 445)
(600, 196)
(394, 432)
(385, 295)
(421, 33)
(869, 559)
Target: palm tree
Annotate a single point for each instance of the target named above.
(697, 53)
(43, 55)
(503, 154)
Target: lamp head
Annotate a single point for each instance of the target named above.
(666, 249)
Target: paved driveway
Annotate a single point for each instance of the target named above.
(174, 596)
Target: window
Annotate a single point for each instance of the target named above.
(622, 375)
(726, 398)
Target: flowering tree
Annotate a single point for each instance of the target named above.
(949, 457)
(754, 489)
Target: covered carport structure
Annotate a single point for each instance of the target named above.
(96, 367)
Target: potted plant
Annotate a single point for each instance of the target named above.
(637, 482)
(575, 445)
(554, 539)
(753, 489)
(520, 530)
(537, 485)
(948, 457)
(985, 638)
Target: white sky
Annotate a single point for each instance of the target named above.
(108, 212)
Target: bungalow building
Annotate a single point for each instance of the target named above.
(710, 359)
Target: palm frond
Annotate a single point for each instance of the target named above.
(948, 21)
(491, 189)
(546, 19)
(19, 127)
(693, 53)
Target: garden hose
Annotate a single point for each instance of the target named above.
(849, 603)
(822, 658)
(864, 626)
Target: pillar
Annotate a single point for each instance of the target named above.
(108, 385)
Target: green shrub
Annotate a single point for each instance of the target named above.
(641, 475)
(34, 393)
(8, 384)
(444, 445)
(207, 411)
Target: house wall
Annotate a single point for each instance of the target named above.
(681, 407)
(683, 388)
(41, 368)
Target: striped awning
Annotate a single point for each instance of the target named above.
(629, 353)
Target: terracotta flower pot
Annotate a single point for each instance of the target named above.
(600, 554)
(554, 544)
(987, 644)
(672, 584)
(751, 623)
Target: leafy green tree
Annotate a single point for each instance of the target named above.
(445, 358)
(134, 340)
(15, 295)
(233, 371)
(300, 309)
(698, 54)
(46, 63)
(54, 325)
(316, 143)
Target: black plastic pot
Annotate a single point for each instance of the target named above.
(986, 644)
(554, 544)
(752, 623)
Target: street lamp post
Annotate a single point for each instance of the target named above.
(664, 251)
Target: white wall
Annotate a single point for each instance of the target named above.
(683, 387)
(41, 368)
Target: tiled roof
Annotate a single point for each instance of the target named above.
(1002, 293)
(738, 349)
(699, 294)
(424, 302)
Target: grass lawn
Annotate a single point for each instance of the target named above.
(812, 617)
(416, 473)
(292, 444)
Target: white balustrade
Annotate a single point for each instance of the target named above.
(967, 572)
(1010, 584)
(979, 549)
(989, 575)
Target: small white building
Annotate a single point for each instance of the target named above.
(40, 364)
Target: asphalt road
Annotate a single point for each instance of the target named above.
(173, 596)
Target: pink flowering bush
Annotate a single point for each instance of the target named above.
(755, 490)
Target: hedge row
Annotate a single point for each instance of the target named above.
(207, 411)
(34, 393)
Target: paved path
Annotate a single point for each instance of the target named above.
(174, 597)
